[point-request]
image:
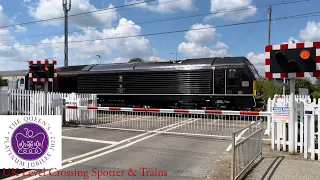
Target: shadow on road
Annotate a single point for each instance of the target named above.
(269, 170)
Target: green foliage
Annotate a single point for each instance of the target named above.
(269, 89)
(316, 89)
(303, 83)
(1, 83)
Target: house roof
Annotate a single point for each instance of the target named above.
(13, 73)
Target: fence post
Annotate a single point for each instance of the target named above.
(233, 160)
(269, 108)
(62, 110)
(292, 116)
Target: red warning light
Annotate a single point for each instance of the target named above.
(305, 54)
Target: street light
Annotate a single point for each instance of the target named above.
(99, 59)
(52, 58)
(176, 55)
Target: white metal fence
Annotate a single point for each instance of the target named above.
(246, 148)
(27, 102)
(215, 123)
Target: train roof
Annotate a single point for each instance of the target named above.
(187, 64)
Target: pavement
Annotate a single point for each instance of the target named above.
(276, 165)
(92, 153)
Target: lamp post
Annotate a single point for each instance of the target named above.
(99, 59)
(52, 58)
(176, 55)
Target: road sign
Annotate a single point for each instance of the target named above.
(292, 60)
(281, 114)
(43, 71)
(303, 91)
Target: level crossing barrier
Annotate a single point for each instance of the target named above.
(214, 123)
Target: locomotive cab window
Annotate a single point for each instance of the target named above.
(232, 77)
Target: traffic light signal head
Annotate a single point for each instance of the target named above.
(293, 60)
(44, 71)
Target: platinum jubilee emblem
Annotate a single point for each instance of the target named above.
(29, 141)
(33, 142)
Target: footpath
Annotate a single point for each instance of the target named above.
(276, 165)
(273, 165)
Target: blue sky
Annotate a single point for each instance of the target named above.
(241, 40)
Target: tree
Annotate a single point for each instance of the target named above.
(303, 83)
(269, 89)
(136, 60)
(1, 83)
(316, 89)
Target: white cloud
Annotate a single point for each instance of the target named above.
(86, 51)
(165, 6)
(4, 20)
(16, 56)
(291, 40)
(221, 45)
(311, 32)
(45, 9)
(258, 60)
(194, 48)
(20, 28)
(230, 9)
(206, 33)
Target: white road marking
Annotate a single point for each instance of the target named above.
(86, 154)
(110, 151)
(108, 147)
(70, 129)
(90, 140)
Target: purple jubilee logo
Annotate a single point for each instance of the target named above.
(30, 142)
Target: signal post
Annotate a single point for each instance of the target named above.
(43, 71)
(292, 61)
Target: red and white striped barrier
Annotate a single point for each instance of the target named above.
(183, 111)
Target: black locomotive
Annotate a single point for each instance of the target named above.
(208, 83)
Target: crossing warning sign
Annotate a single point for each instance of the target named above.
(281, 114)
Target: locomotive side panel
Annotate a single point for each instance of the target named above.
(143, 83)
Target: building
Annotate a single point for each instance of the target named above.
(13, 79)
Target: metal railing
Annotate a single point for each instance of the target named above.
(213, 123)
(246, 148)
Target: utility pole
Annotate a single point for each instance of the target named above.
(66, 4)
(269, 37)
(269, 23)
